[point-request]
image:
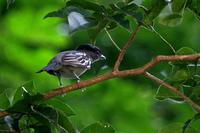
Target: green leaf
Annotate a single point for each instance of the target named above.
(163, 94)
(185, 51)
(156, 7)
(4, 104)
(94, 31)
(61, 106)
(45, 112)
(189, 122)
(180, 76)
(42, 129)
(64, 12)
(21, 106)
(176, 128)
(131, 10)
(178, 6)
(98, 128)
(24, 105)
(19, 94)
(121, 20)
(64, 123)
(85, 5)
(194, 5)
(171, 20)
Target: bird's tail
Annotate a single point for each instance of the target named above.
(40, 71)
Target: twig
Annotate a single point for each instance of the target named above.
(117, 74)
(173, 89)
(125, 47)
(113, 42)
(162, 38)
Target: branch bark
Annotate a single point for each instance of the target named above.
(132, 72)
(125, 47)
(124, 73)
(173, 89)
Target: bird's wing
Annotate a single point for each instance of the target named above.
(76, 59)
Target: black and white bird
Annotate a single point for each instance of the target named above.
(73, 63)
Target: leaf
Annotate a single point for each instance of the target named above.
(85, 5)
(176, 128)
(48, 114)
(194, 5)
(171, 20)
(64, 12)
(131, 10)
(65, 123)
(156, 8)
(24, 105)
(163, 94)
(4, 104)
(178, 6)
(61, 106)
(98, 128)
(121, 20)
(42, 129)
(189, 122)
(94, 31)
(180, 75)
(185, 51)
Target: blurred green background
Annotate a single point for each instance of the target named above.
(28, 42)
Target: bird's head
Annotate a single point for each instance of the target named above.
(93, 51)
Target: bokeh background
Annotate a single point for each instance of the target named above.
(28, 42)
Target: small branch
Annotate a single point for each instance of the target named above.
(113, 42)
(162, 38)
(124, 49)
(174, 90)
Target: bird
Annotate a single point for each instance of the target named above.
(72, 64)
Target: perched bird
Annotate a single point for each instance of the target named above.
(73, 63)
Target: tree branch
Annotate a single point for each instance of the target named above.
(125, 47)
(125, 73)
(173, 89)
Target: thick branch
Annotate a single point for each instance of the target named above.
(174, 90)
(125, 73)
(124, 49)
(114, 74)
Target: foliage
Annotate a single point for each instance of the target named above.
(31, 113)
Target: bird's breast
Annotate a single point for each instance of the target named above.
(68, 72)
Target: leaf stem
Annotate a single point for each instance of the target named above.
(113, 42)
(162, 38)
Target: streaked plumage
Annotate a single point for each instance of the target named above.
(72, 64)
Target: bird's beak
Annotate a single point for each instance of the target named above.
(102, 57)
